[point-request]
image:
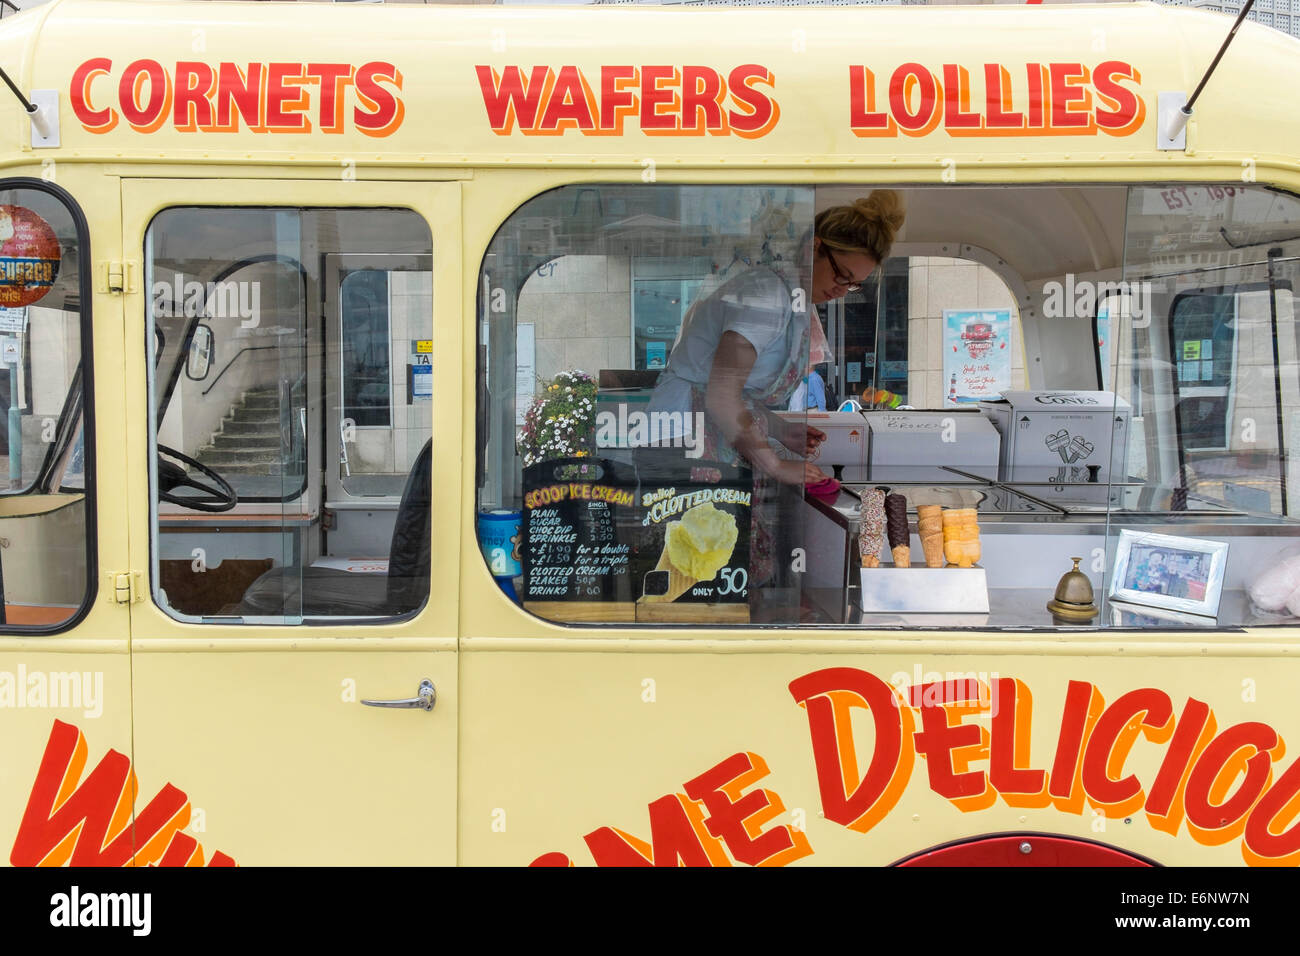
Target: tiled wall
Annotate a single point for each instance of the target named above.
(935, 284)
(580, 308)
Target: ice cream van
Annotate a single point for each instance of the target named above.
(343, 519)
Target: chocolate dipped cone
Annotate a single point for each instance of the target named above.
(872, 527)
(896, 530)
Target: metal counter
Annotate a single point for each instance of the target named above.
(1026, 609)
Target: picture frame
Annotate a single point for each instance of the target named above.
(1169, 572)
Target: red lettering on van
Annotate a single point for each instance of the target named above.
(95, 120)
(195, 83)
(383, 109)
(240, 92)
(1195, 730)
(334, 80)
(1068, 99)
(758, 113)
(286, 98)
(1146, 711)
(677, 838)
(717, 814)
(88, 823)
(147, 115)
(829, 696)
(949, 745)
(664, 99)
(200, 97)
(1009, 775)
(737, 818)
(1265, 842)
(1244, 752)
(1123, 110)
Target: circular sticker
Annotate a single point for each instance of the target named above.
(29, 257)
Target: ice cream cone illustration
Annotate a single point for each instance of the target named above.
(1059, 442)
(678, 583)
(696, 547)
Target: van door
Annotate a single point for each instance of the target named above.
(261, 370)
(65, 674)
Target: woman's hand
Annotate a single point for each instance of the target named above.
(798, 473)
(802, 438)
(724, 402)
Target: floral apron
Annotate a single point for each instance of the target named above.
(805, 345)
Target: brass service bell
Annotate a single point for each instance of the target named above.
(1073, 601)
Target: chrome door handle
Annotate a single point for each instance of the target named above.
(425, 698)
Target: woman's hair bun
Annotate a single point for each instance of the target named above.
(868, 226)
(885, 206)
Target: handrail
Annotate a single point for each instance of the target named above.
(246, 348)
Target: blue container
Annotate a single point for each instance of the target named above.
(495, 531)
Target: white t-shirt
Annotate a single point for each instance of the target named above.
(755, 305)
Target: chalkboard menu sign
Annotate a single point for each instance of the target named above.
(578, 521)
(692, 555)
(604, 541)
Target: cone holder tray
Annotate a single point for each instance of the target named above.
(924, 590)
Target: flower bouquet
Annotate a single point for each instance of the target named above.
(561, 422)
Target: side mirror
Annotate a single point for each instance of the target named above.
(199, 361)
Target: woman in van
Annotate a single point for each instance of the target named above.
(745, 348)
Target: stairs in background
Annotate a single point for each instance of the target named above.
(249, 440)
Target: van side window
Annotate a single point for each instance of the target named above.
(46, 483)
(290, 412)
(1201, 342)
(602, 308)
(1208, 330)
(1020, 413)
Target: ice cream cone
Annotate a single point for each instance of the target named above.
(872, 527)
(678, 583)
(961, 537)
(900, 538)
(929, 527)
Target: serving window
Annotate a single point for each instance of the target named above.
(1035, 374)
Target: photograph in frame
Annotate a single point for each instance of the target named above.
(1169, 572)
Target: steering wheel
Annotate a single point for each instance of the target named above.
(171, 477)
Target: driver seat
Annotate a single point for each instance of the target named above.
(330, 592)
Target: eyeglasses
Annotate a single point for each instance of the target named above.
(841, 278)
